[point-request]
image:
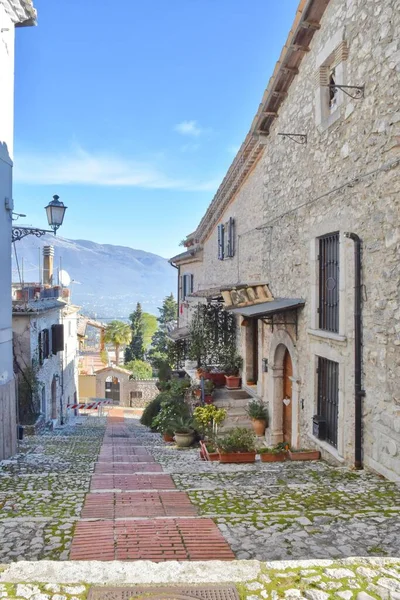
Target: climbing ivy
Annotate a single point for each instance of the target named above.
(212, 334)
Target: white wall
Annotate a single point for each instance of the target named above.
(6, 150)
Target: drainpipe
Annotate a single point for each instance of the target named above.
(359, 393)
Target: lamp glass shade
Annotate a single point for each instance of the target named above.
(55, 213)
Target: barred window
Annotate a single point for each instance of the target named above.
(328, 396)
(328, 305)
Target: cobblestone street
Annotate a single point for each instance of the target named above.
(94, 491)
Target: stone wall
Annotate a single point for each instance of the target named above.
(345, 178)
(133, 392)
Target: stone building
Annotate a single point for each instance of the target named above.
(114, 382)
(279, 242)
(13, 13)
(46, 345)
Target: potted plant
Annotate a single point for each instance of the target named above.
(237, 446)
(209, 451)
(215, 375)
(232, 368)
(171, 409)
(183, 432)
(302, 454)
(208, 391)
(275, 454)
(258, 413)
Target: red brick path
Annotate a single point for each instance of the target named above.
(134, 512)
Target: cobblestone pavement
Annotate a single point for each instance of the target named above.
(275, 511)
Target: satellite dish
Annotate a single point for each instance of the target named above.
(64, 278)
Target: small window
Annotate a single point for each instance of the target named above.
(333, 92)
(226, 239)
(328, 271)
(136, 395)
(328, 397)
(57, 334)
(186, 285)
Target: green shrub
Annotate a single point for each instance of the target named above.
(178, 387)
(171, 409)
(257, 409)
(152, 409)
(238, 439)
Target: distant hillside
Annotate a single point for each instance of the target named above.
(111, 278)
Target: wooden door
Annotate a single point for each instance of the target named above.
(287, 398)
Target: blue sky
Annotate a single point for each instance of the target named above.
(132, 112)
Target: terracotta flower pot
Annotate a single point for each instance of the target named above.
(304, 455)
(208, 399)
(237, 457)
(259, 426)
(167, 437)
(232, 382)
(217, 378)
(265, 457)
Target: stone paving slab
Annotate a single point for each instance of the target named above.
(137, 505)
(156, 481)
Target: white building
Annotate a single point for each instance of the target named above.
(45, 354)
(13, 13)
(45, 343)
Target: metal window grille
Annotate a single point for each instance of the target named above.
(328, 397)
(329, 282)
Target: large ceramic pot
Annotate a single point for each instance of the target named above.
(232, 382)
(184, 440)
(237, 457)
(273, 457)
(259, 426)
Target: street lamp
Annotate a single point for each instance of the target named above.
(55, 215)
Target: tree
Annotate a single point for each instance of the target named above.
(150, 326)
(135, 350)
(119, 334)
(161, 344)
(140, 369)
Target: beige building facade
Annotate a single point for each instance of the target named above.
(294, 208)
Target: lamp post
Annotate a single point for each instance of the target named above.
(55, 211)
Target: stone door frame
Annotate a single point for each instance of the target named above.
(281, 341)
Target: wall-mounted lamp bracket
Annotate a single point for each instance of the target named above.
(299, 138)
(20, 232)
(356, 94)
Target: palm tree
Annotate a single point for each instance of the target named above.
(119, 334)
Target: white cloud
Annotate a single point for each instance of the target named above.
(189, 128)
(79, 167)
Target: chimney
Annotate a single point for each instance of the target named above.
(48, 260)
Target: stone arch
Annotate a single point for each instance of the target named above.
(280, 343)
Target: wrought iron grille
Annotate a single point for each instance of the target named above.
(329, 282)
(328, 396)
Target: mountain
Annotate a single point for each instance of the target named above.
(108, 280)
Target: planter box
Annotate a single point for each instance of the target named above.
(206, 455)
(217, 378)
(237, 457)
(232, 383)
(305, 455)
(273, 457)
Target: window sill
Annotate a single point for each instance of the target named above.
(327, 335)
(328, 448)
(330, 119)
